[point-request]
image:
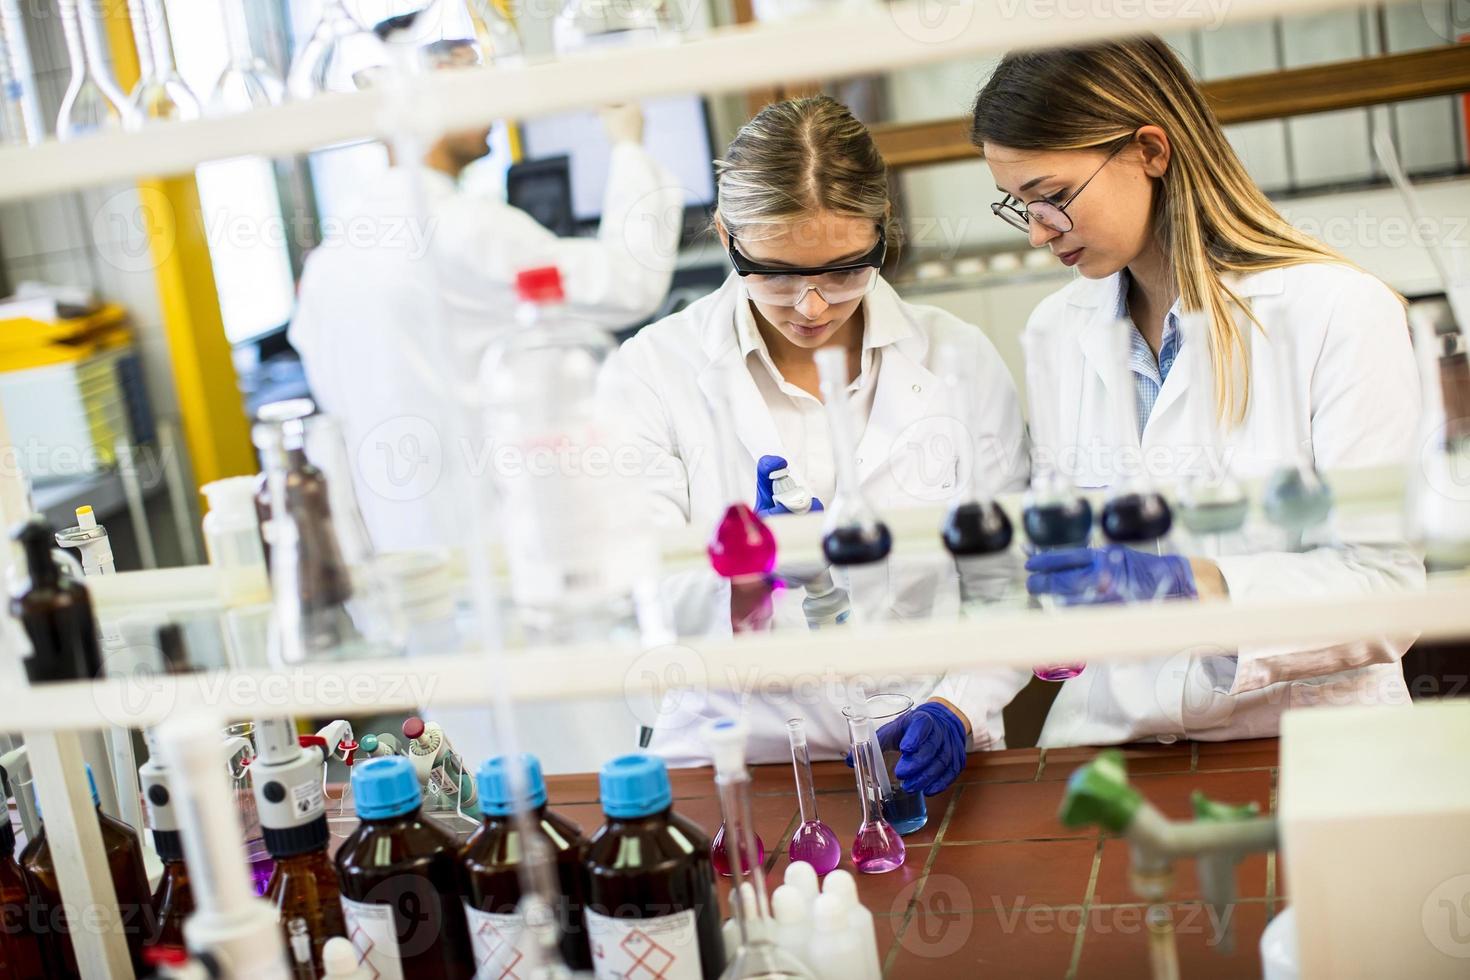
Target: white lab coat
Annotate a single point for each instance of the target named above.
(362, 322)
(1357, 390)
(911, 453)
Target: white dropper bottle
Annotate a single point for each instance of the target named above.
(836, 951)
(841, 885)
(803, 877)
(791, 907)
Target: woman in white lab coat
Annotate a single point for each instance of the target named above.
(805, 217)
(1110, 156)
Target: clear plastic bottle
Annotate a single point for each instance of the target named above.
(233, 543)
(651, 895)
(575, 547)
(125, 862)
(400, 878)
(492, 857)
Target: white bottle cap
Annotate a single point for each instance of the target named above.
(339, 958)
(803, 877)
(841, 885)
(726, 740)
(830, 914)
(747, 899)
(233, 494)
(790, 905)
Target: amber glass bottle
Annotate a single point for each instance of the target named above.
(400, 878)
(129, 879)
(20, 945)
(304, 886)
(492, 858)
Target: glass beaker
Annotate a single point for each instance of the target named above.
(906, 811)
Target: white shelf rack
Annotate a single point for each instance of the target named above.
(843, 40)
(1005, 639)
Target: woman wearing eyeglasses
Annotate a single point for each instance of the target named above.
(1110, 156)
(804, 214)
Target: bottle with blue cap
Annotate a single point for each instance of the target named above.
(491, 860)
(651, 901)
(399, 872)
(129, 879)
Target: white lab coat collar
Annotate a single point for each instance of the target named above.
(1101, 296)
(905, 385)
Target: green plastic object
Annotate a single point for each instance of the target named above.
(368, 744)
(1099, 793)
(1207, 810)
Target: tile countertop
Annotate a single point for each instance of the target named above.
(994, 885)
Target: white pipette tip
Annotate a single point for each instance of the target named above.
(86, 520)
(726, 740)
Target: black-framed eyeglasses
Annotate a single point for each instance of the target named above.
(840, 282)
(1045, 213)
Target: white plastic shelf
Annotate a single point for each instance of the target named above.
(843, 40)
(1015, 639)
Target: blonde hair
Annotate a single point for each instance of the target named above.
(798, 157)
(1209, 215)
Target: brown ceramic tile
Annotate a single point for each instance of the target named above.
(1006, 766)
(1116, 944)
(1010, 811)
(1113, 887)
(1257, 753)
(1171, 792)
(884, 894)
(588, 816)
(1281, 891)
(999, 877)
(1139, 759)
(572, 788)
(964, 945)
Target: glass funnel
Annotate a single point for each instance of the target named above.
(92, 102)
(337, 50)
(813, 841)
(855, 539)
(247, 82)
(757, 956)
(161, 94)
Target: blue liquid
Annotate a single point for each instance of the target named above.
(856, 545)
(905, 811)
(1060, 525)
(977, 529)
(1134, 518)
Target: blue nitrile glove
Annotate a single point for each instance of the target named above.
(1111, 574)
(931, 743)
(765, 503)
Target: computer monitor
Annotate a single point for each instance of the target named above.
(676, 131)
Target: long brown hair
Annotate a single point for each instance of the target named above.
(1209, 216)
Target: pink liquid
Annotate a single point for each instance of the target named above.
(816, 844)
(742, 545)
(877, 848)
(1059, 672)
(721, 858)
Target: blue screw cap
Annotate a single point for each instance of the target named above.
(634, 786)
(497, 798)
(386, 787)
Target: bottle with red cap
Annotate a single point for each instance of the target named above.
(571, 537)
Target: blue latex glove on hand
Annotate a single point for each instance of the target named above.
(931, 742)
(765, 502)
(1111, 574)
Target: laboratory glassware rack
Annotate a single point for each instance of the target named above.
(844, 39)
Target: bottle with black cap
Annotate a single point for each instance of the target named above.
(56, 612)
(173, 900)
(287, 777)
(20, 949)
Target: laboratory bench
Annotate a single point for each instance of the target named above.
(994, 886)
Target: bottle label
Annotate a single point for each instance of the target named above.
(665, 946)
(306, 798)
(496, 940)
(372, 930)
